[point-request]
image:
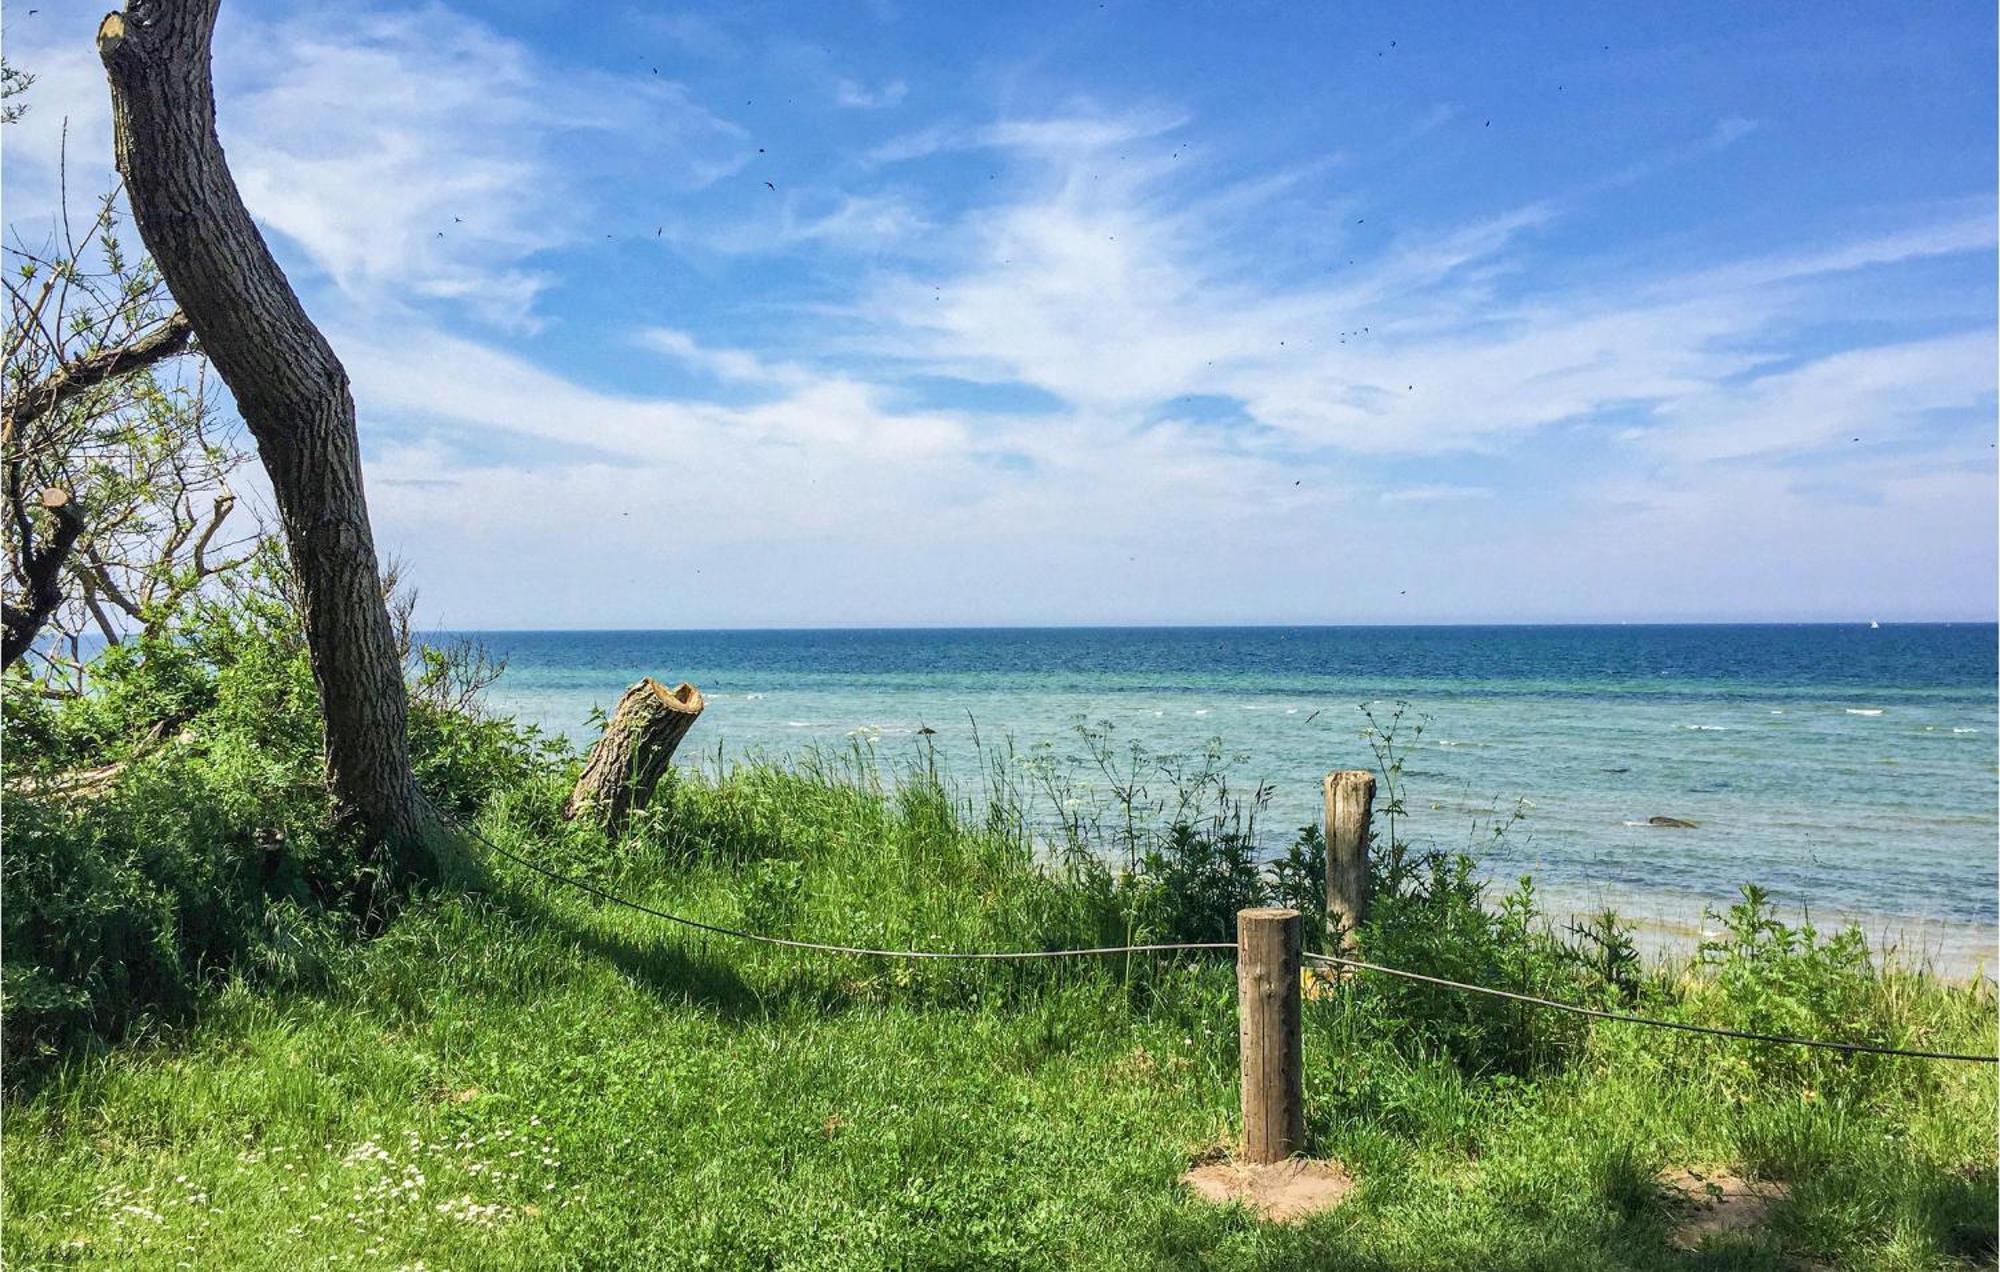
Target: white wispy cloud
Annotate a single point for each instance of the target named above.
(1865, 396)
(1229, 379)
(793, 220)
(1061, 133)
(1124, 291)
(67, 124)
(418, 154)
(413, 155)
(736, 365)
(1107, 288)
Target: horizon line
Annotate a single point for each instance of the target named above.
(1252, 626)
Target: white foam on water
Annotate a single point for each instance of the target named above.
(753, 695)
(1965, 730)
(1867, 711)
(798, 724)
(1291, 710)
(1201, 711)
(1707, 728)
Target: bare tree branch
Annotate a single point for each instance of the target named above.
(83, 374)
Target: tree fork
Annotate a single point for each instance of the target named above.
(290, 388)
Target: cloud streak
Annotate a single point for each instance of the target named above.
(1057, 366)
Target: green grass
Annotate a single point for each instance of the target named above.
(521, 1077)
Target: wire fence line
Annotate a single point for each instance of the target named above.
(1870, 1048)
(824, 947)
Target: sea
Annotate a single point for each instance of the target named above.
(1849, 769)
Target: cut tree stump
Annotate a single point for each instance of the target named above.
(638, 744)
(1350, 801)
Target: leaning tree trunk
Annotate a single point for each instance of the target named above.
(629, 760)
(289, 386)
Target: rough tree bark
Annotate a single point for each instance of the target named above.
(629, 760)
(290, 388)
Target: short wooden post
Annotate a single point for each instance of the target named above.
(1350, 801)
(1267, 1031)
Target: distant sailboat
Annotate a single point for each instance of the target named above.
(1873, 625)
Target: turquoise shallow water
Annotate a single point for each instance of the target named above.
(1850, 770)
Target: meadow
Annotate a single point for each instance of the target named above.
(229, 1045)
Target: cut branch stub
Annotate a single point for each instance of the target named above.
(638, 744)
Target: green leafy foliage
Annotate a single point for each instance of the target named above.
(1763, 975)
(528, 1076)
(170, 826)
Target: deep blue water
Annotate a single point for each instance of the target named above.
(1850, 769)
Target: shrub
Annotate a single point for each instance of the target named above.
(170, 827)
(1762, 975)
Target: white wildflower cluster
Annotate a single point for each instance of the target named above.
(363, 1153)
(391, 1189)
(479, 1214)
(126, 1206)
(542, 1152)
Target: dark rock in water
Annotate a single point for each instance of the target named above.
(1674, 822)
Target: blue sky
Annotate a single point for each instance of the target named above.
(840, 314)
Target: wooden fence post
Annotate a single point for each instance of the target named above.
(1267, 1031)
(1350, 800)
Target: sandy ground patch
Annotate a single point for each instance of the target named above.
(1284, 1192)
(1719, 1204)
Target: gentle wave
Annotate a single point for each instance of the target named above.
(1801, 804)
